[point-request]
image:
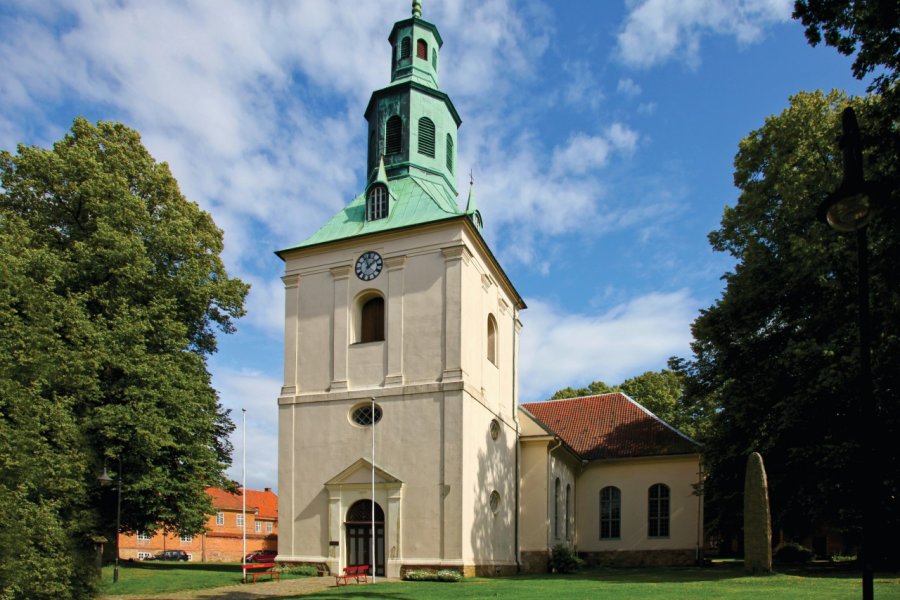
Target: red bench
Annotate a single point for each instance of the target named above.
(358, 573)
(260, 569)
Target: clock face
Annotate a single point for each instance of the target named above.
(369, 265)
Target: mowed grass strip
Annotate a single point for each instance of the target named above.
(153, 577)
(633, 584)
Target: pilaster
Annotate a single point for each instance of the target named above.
(395, 293)
(454, 259)
(340, 341)
(291, 333)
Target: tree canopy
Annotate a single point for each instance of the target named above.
(868, 28)
(778, 352)
(113, 291)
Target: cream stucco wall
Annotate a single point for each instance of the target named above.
(437, 390)
(634, 478)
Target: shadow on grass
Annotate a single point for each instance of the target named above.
(181, 566)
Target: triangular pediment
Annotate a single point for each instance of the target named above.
(361, 472)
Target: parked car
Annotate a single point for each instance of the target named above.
(261, 556)
(170, 555)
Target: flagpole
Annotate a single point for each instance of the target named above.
(244, 497)
(373, 489)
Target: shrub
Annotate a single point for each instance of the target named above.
(302, 570)
(442, 575)
(563, 560)
(792, 553)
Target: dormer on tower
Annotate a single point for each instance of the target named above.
(412, 124)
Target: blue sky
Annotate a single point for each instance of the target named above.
(600, 134)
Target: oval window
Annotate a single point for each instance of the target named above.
(366, 414)
(495, 501)
(495, 429)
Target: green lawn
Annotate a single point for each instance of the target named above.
(633, 584)
(159, 577)
(721, 581)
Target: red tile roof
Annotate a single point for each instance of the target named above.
(610, 426)
(265, 502)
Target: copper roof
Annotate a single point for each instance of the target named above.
(610, 426)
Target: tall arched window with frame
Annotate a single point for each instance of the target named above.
(658, 510)
(610, 513)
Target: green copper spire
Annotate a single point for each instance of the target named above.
(412, 133)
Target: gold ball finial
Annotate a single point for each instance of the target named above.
(417, 9)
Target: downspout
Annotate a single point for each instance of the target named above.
(515, 415)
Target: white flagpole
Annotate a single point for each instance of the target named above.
(373, 489)
(244, 498)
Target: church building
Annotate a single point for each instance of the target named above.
(402, 443)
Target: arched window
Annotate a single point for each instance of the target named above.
(426, 137)
(377, 203)
(492, 339)
(557, 492)
(422, 49)
(450, 153)
(610, 513)
(434, 58)
(568, 509)
(658, 510)
(361, 512)
(371, 320)
(393, 135)
(404, 48)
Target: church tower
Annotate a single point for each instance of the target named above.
(400, 355)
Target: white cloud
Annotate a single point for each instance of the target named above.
(627, 87)
(658, 30)
(561, 349)
(257, 393)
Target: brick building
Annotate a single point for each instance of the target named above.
(222, 542)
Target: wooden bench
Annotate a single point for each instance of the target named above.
(357, 573)
(255, 570)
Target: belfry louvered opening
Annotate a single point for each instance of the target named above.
(449, 153)
(426, 137)
(405, 48)
(393, 135)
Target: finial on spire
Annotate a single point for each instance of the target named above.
(417, 9)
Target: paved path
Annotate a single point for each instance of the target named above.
(250, 591)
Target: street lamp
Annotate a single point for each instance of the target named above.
(849, 209)
(105, 480)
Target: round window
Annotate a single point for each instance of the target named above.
(495, 501)
(495, 429)
(366, 414)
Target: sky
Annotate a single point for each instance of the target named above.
(600, 135)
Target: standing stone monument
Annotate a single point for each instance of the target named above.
(757, 521)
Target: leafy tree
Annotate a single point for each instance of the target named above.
(112, 292)
(593, 389)
(869, 28)
(778, 352)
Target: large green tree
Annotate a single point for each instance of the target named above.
(113, 290)
(778, 352)
(868, 29)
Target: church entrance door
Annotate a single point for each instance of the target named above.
(359, 535)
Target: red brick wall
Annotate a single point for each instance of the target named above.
(221, 543)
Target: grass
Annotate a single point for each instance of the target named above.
(712, 583)
(163, 577)
(633, 584)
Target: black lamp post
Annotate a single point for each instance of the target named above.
(849, 209)
(105, 480)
